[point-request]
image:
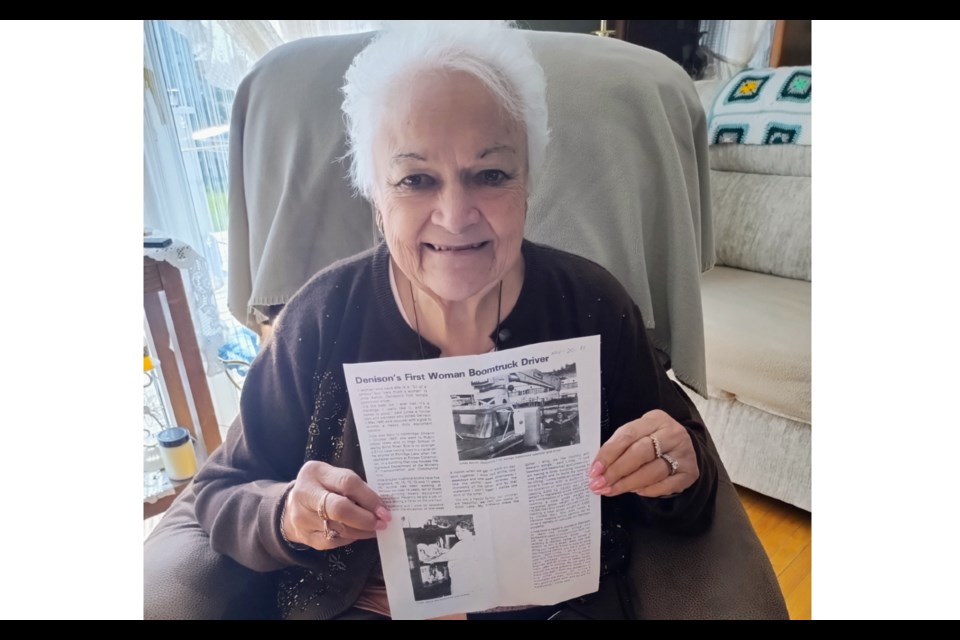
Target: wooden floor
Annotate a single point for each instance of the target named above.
(784, 531)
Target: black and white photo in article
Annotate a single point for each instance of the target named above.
(442, 555)
(517, 412)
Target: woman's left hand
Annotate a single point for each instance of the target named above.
(652, 456)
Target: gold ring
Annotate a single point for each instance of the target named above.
(322, 509)
(328, 532)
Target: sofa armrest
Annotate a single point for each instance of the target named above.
(722, 574)
(183, 578)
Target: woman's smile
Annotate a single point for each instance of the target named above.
(456, 248)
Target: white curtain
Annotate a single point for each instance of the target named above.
(734, 45)
(226, 49)
(191, 71)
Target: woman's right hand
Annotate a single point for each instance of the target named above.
(353, 510)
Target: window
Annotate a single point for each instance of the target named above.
(191, 71)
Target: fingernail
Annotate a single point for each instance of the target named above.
(597, 469)
(380, 526)
(598, 483)
(383, 514)
(605, 491)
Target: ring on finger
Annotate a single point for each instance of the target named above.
(656, 446)
(670, 463)
(322, 507)
(328, 532)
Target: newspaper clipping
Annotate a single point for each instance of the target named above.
(483, 461)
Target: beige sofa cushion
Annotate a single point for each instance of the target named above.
(769, 159)
(757, 332)
(762, 222)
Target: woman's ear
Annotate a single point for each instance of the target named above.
(377, 217)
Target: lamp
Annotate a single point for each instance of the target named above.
(604, 32)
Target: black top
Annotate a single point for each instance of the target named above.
(295, 407)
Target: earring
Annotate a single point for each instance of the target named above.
(379, 221)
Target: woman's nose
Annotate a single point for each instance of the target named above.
(456, 210)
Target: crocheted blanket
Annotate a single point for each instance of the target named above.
(763, 106)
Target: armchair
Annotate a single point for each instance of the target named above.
(628, 189)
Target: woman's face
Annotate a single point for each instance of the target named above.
(451, 185)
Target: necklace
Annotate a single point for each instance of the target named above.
(416, 319)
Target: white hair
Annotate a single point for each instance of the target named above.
(494, 51)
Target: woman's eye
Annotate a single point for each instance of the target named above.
(416, 181)
(493, 177)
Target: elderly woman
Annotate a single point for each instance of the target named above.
(447, 127)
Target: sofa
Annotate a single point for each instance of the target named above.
(756, 309)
